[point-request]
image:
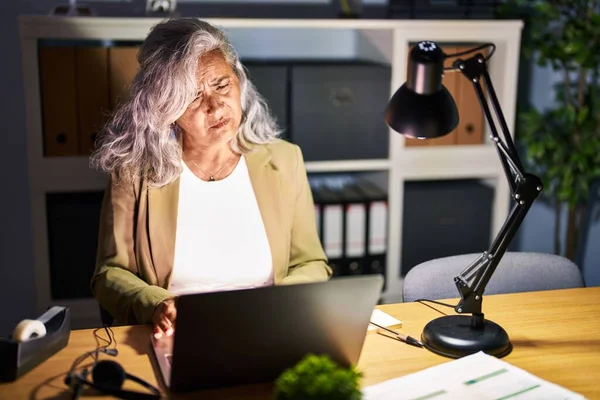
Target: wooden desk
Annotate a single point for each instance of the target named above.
(555, 336)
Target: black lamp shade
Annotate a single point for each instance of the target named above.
(422, 116)
(423, 108)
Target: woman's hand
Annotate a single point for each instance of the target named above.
(164, 318)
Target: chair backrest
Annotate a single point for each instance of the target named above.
(516, 272)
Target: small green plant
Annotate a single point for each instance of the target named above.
(318, 377)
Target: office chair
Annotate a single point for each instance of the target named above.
(516, 272)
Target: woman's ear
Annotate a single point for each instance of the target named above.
(175, 131)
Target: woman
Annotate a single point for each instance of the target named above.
(203, 196)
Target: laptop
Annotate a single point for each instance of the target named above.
(242, 337)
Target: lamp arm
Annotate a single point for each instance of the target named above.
(525, 188)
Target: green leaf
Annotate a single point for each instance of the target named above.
(574, 47)
(582, 115)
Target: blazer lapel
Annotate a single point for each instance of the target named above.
(162, 229)
(266, 183)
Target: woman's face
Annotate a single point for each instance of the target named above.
(215, 114)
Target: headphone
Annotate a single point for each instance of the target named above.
(108, 377)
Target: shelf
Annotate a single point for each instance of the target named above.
(455, 162)
(450, 162)
(134, 28)
(66, 174)
(347, 165)
(383, 41)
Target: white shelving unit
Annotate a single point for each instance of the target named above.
(384, 41)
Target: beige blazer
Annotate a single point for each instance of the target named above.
(138, 224)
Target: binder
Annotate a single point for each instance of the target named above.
(318, 219)
(123, 67)
(471, 123)
(377, 224)
(354, 230)
(317, 200)
(92, 94)
(352, 224)
(59, 100)
(330, 225)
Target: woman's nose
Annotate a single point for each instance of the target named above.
(212, 103)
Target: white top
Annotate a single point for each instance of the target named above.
(221, 242)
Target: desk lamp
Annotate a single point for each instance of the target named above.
(423, 108)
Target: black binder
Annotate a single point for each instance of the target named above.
(354, 228)
(376, 233)
(330, 225)
(352, 224)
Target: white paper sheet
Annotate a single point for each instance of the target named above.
(478, 376)
(383, 319)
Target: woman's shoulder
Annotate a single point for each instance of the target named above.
(284, 156)
(281, 146)
(284, 153)
(275, 150)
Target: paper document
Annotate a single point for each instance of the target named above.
(478, 376)
(383, 319)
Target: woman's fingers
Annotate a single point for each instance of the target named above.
(170, 311)
(164, 320)
(163, 327)
(158, 333)
(167, 325)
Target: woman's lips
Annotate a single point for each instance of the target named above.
(220, 124)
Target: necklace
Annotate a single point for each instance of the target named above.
(212, 178)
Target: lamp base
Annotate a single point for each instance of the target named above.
(455, 336)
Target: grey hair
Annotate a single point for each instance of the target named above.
(141, 139)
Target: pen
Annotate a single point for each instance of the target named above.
(400, 336)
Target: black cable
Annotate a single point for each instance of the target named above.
(425, 301)
(434, 302)
(112, 335)
(473, 50)
(98, 338)
(99, 347)
(111, 338)
(78, 361)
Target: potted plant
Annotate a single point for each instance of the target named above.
(562, 143)
(318, 377)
